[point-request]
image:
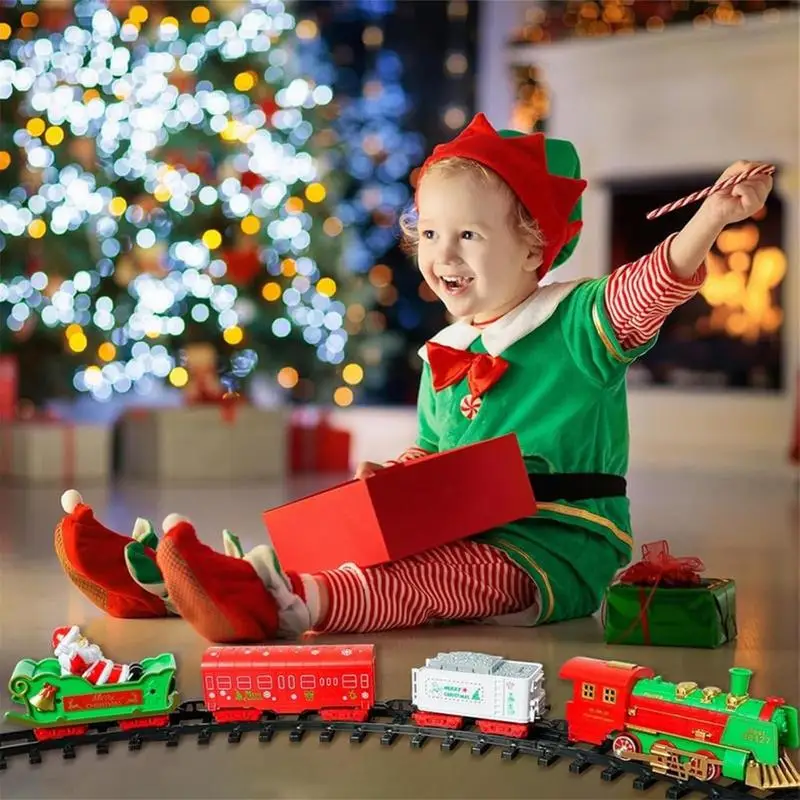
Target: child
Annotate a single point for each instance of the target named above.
(496, 212)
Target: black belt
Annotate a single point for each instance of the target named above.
(577, 486)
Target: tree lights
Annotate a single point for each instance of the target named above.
(174, 174)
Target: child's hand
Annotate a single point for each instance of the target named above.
(367, 468)
(740, 201)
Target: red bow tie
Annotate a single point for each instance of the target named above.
(449, 366)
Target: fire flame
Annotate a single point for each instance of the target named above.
(739, 285)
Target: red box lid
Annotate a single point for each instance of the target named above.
(405, 509)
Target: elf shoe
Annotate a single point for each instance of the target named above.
(93, 558)
(228, 598)
(140, 560)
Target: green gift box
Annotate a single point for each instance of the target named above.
(698, 615)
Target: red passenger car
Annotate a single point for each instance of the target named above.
(336, 681)
(600, 696)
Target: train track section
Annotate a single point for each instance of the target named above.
(622, 719)
(389, 722)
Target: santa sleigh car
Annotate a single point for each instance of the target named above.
(60, 703)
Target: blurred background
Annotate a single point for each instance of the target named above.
(199, 210)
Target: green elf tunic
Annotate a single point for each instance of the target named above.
(564, 396)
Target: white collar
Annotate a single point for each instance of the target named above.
(512, 327)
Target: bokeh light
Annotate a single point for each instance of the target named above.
(173, 178)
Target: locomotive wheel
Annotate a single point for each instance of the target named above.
(624, 746)
(710, 772)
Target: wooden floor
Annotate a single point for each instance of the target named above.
(745, 528)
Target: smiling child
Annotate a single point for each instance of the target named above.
(494, 213)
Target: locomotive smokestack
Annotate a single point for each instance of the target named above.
(740, 680)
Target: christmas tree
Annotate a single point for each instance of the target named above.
(405, 82)
(170, 201)
(368, 75)
(383, 144)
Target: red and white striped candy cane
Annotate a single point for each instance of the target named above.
(761, 169)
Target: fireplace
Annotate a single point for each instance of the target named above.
(730, 335)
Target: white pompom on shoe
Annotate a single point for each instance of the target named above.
(70, 500)
(171, 520)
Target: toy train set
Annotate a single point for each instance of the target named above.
(621, 716)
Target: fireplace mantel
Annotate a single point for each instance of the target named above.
(683, 97)
(682, 100)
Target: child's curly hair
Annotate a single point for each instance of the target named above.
(525, 224)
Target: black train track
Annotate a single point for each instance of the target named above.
(548, 744)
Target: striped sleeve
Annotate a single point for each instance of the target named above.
(639, 296)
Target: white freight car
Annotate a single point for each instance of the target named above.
(480, 686)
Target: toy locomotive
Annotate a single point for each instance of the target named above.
(678, 729)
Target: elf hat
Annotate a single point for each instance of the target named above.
(64, 637)
(543, 173)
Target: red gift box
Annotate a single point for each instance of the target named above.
(405, 509)
(317, 446)
(9, 380)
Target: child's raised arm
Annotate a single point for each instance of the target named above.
(639, 296)
(690, 247)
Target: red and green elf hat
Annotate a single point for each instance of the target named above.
(543, 173)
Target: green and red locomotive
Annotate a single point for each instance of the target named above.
(681, 729)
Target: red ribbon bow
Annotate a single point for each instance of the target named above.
(658, 567)
(449, 366)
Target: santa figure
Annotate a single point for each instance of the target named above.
(78, 656)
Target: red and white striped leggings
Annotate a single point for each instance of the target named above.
(465, 580)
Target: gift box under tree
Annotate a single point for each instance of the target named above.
(663, 600)
(46, 449)
(208, 442)
(9, 380)
(317, 446)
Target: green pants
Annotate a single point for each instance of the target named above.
(571, 566)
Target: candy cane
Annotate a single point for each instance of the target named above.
(762, 169)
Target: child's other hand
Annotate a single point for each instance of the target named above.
(740, 201)
(367, 468)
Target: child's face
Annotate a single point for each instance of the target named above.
(467, 235)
